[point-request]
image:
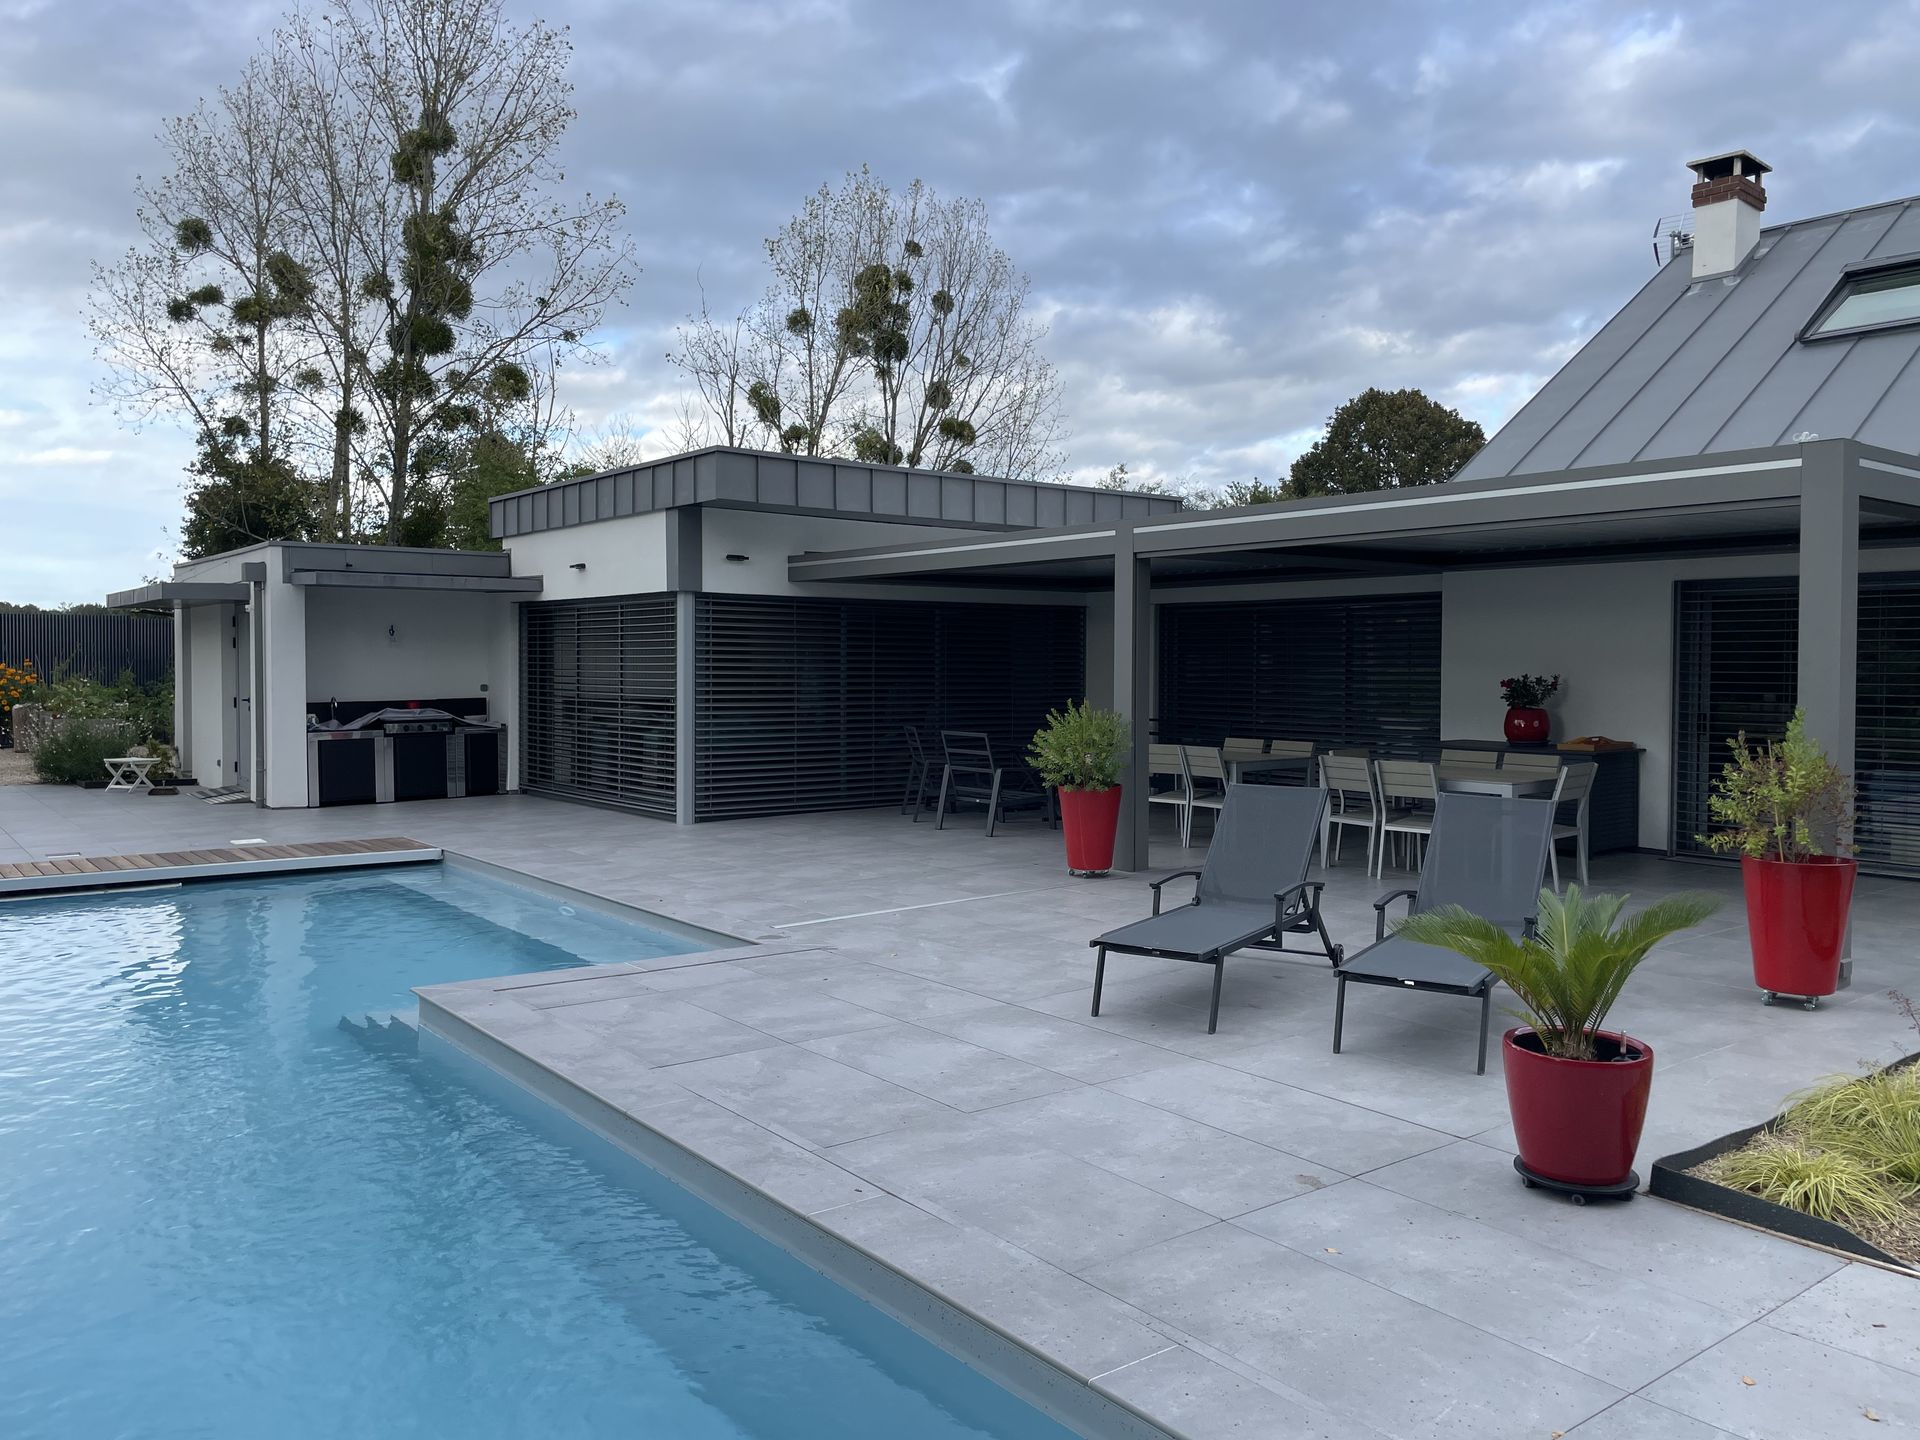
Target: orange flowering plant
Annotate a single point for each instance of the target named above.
(15, 682)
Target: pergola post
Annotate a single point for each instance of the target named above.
(1829, 629)
(1132, 693)
(1827, 679)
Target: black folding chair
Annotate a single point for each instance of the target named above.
(919, 774)
(1487, 855)
(1252, 890)
(971, 776)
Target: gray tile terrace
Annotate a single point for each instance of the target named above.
(1239, 1234)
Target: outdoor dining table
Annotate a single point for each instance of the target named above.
(1469, 780)
(1243, 762)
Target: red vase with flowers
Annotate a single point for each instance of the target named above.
(1527, 722)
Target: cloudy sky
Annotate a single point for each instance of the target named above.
(1236, 215)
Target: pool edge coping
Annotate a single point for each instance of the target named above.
(1049, 1385)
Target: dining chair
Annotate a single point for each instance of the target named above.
(1163, 764)
(919, 774)
(1405, 780)
(1244, 746)
(1470, 759)
(1353, 799)
(973, 776)
(1530, 763)
(1292, 749)
(1575, 789)
(1205, 769)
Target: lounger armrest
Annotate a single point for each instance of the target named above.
(1293, 892)
(1380, 910)
(1176, 875)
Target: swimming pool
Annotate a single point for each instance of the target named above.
(222, 1213)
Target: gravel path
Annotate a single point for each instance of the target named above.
(15, 768)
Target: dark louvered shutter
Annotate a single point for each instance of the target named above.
(1347, 670)
(597, 701)
(801, 703)
(1887, 725)
(1736, 656)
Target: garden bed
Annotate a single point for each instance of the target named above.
(1698, 1177)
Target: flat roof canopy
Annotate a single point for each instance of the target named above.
(1721, 504)
(179, 592)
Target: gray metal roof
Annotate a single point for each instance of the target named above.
(755, 479)
(1697, 368)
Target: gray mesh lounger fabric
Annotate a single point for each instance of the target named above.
(1488, 855)
(1252, 889)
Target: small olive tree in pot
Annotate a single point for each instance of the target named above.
(1578, 1092)
(1788, 810)
(1081, 753)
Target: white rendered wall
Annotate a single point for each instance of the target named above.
(769, 540)
(627, 556)
(1608, 631)
(283, 688)
(445, 644)
(207, 680)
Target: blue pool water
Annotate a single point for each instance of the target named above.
(222, 1214)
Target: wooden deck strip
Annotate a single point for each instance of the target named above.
(239, 859)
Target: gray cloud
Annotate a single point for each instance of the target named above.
(1236, 215)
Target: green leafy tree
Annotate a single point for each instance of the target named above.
(1250, 492)
(1384, 440)
(238, 497)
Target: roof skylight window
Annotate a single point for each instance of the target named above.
(1873, 297)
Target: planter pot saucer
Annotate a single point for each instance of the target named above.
(1580, 1194)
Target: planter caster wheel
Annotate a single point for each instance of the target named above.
(1812, 1002)
(1579, 1194)
(1767, 997)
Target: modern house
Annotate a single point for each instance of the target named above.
(1710, 514)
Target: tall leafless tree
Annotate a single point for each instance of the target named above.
(893, 329)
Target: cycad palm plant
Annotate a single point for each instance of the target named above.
(1568, 973)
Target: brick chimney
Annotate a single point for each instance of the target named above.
(1727, 200)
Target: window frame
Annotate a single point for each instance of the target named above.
(1851, 276)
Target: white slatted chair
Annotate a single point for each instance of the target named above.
(1576, 789)
(1405, 780)
(1353, 799)
(1525, 762)
(1292, 749)
(1206, 784)
(1164, 763)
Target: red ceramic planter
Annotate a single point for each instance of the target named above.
(1090, 818)
(1528, 725)
(1578, 1121)
(1797, 921)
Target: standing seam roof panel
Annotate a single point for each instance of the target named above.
(1724, 388)
(1686, 370)
(1510, 449)
(1711, 349)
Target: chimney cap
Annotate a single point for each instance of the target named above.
(1729, 164)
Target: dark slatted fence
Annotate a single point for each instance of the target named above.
(99, 646)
